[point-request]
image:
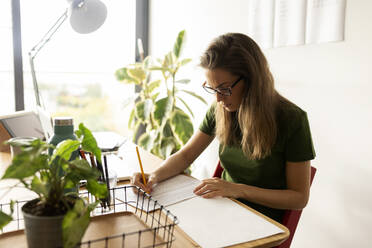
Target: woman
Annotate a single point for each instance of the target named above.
(265, 140)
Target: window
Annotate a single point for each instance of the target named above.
(6, 59)
(75, 72)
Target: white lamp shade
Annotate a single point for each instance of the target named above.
(87, 16)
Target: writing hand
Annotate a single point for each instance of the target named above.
(138, 181)
(214, 187)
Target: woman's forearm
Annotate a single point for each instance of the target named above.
(178, 162)
(281, 199)
(172, 166)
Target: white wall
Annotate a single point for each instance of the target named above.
(331, 81)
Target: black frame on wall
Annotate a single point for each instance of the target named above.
(142, 31)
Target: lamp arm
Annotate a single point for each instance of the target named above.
(48, 35)
(35, 50)
(34, 81)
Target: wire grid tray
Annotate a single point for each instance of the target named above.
(154, 225)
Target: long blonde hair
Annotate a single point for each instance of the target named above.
(240, 55)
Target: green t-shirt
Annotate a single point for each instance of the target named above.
(293, 144)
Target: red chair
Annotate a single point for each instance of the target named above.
(290, 218)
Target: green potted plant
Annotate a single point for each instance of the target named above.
(168, 126)
(58, 217)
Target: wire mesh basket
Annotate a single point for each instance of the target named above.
(128, 220)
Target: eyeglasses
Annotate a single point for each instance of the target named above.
(221, 91)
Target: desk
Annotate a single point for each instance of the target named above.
(150, 162)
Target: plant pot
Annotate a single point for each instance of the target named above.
(43, 231)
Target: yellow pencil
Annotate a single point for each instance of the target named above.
(140, 163)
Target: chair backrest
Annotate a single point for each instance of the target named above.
(290, 218)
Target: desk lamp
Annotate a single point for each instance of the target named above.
(85, 16)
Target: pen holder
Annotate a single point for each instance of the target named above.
(113, 179)
(106, 176)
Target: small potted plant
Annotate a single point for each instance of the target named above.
(58, 217)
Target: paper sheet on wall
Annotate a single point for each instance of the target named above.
(289, 22)
(260, 22)
(325, 20)
(229, 222)
(295, 22)
(170, 191)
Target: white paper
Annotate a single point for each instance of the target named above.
(229, 222)
(128, 154)
(124, 171)
(290, 22)
(261, 21)
(109, 140)
(170, 191)
(325, 20)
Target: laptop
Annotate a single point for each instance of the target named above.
(28, 124)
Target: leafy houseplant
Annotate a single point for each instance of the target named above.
(168, 127)
(53, 178)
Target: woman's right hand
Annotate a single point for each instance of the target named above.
(137, 180)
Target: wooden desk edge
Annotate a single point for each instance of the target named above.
(269, 241)
(265, 242)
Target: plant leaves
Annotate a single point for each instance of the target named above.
(76, 222)
(137, 129)
(146, 140)
(169, 60)
(65, 149)
(137, 73)
(89, 143)
(178, 44)
(163, 108)
(159, 68)
(167, 130)
(122, 75)
(156, 68)
(19, 142)
(155, 96)
(153, 85)
(39, 187)
(187, 106)
(81, 169)
(168, 144)
(143, 110)
(181, 125)
(25, 165)
(146, 63)
(4, 219)
(98, 189)
(183, 81)
(29, 161)
(195, 95)
(184, 62)
(131, 118)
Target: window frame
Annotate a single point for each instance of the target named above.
(17, 56)
(142, 32)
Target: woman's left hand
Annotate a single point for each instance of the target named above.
(213, 187)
